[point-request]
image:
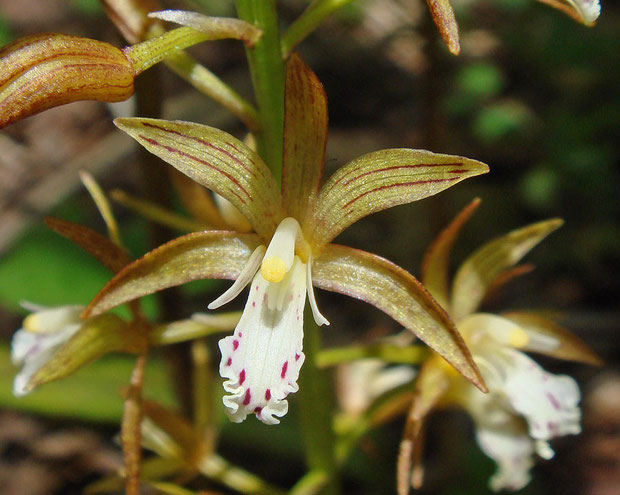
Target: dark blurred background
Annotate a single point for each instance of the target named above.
(533, 94)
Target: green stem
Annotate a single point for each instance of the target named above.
(386, 352)
(267, 69)
(219, 469)
(307, 22)
(202, 385)
(316, 410)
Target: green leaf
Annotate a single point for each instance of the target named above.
(380, 180)
(46, 269)
(216, 160)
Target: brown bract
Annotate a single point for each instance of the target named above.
(47, 70)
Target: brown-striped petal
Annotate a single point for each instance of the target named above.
(380, 180)
(214, 254)
(474, 276)
(216, 160)
(541, 330)
(437, 258)
(305, 136)
(385, 285)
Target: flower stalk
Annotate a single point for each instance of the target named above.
(267, 70)
(316, 411)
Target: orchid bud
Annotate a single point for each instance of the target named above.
(47, 70)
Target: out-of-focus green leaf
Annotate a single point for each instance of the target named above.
(91, 394)
(540, 188)
(89, 7)
(480, 81)
(498, 121)
(47, 269)
(6, 35)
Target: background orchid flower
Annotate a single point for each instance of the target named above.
(290, 250)
(526, 406)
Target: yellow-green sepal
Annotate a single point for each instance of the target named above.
(213, 254)
(373, 279)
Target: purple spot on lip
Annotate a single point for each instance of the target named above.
(229, 362)
(267, 394)
(235, 345)
(242, 377)
(248, 397)
(554, 402)
(284, 368)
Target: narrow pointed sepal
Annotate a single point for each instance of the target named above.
(44, 71)
(436, 261)
(216, 160)
(262, 359)
(216, 28)
(194, 256)
(549, 338)
(383, 284)
(100, 247)
(380, 180)
(478, 272)
(443, 16)
(305, 137)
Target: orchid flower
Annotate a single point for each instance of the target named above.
(290, 251)
(42, 333)
(526, 406)
(55, 341)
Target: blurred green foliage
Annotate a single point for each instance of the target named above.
(90, 394)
